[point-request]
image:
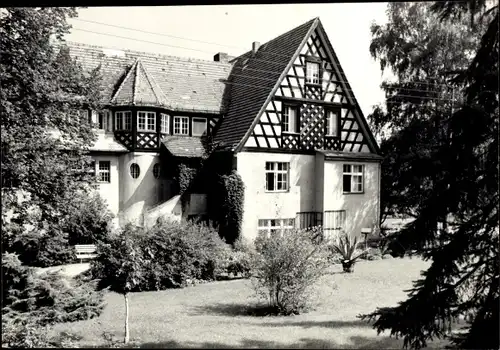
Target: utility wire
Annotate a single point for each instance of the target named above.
(159, 34)
(253, 69)
(253, 59)
(206, 42)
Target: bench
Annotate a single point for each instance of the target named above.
(85, 251)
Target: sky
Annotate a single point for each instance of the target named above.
(232, 29)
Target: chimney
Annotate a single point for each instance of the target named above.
(221, 57)
(255, 46)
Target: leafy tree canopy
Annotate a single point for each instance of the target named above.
(441, 165)
(45, 136)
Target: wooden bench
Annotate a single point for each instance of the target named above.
(85, 251)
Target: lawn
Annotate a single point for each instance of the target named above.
(217, 314)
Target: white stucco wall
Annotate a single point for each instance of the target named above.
(141, 193)
(260, 204)
(110, 191)
(362, 209)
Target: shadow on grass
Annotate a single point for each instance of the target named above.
(221, 309)
(355, 342)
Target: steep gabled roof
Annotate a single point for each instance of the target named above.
(139, 88)
(182, 84)
(253, 80)
(349, 92)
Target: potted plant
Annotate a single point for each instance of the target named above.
(347, 247)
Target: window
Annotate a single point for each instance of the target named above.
(277, 176)
(156, 170)
(312, 72)
(334, 223)
(123, 121)
(165, 118)
(146, 121)
(199, 126)
(103, 173)
(181, 125)
(274, 227)
(332, 123)
(290, 118)
(353, 178)
(104, 121)
(135, 171)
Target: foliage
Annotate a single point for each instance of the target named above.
(31, 302)
(168, 255)
(444, 165)
(185, 177)
(44, 138)
(421, 55)
(347, 246)
(88, 219)
(285, 268)
(226, 206)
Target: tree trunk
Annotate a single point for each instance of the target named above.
(127, 332)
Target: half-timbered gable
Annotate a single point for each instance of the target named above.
(312, 106)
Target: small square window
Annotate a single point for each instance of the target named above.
(146, 121)
(277, 177)
(103, 174)
(199, 126)
(181, 125)
(352, 180)
(312, 72)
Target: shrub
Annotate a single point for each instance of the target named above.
(33, 301)
(284, 268)
(172, 254)
(88, 219)
(85, 219)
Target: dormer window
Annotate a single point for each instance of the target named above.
(199, 126)
(290, 118)
(146, 121)
(123, 121)
(181, 125)
(312, 72)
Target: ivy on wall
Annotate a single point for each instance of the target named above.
(214, 175)
(225, 207)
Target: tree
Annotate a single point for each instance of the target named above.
(454, 159)
(44, 135)
(421, 55)
(122, 259)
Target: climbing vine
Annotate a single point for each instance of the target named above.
(226, 205)
(213, 174)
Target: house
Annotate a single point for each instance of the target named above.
(283, 111)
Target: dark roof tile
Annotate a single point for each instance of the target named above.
(252, 79)
(184, 146)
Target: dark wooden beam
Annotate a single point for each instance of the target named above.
(318, 102)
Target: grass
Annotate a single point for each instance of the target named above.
(223, 314)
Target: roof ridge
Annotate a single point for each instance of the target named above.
(145, 53)
(136, 79)
(115, 95)
(160, 96)
(308, 23)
